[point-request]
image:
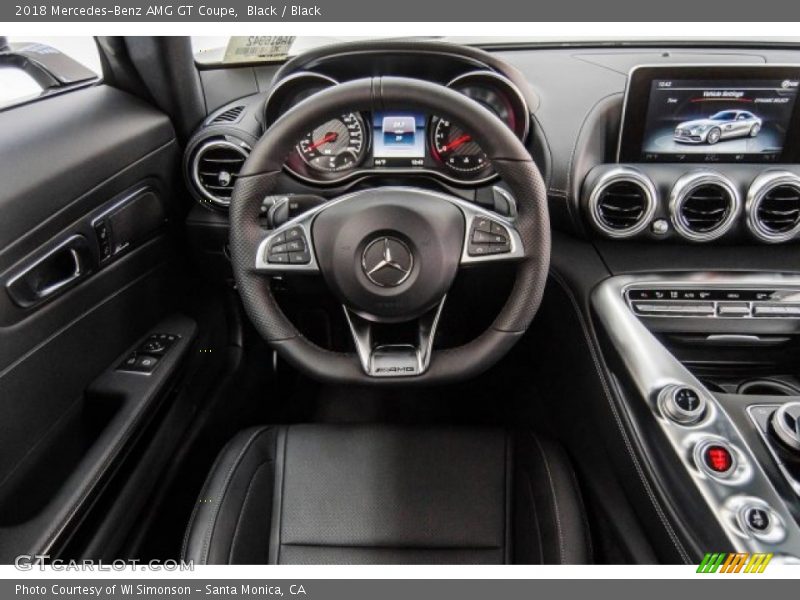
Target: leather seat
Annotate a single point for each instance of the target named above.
(322, 494)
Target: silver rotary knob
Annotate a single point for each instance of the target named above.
(786, 425)
(682, 403)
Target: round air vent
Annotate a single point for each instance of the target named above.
(703, 205)
(773, 206)
(215, 167)
(622, 202)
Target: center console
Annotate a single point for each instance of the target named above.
(741, 451)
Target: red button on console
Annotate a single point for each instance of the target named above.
(718, 459)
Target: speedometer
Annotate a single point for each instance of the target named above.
(337, 145)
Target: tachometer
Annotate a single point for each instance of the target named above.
(337, 145)
(456, 149)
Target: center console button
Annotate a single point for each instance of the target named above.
(757, 518)
(733, 309)
(676, 309)
(716, 457)
(682, 404)
(770, 311)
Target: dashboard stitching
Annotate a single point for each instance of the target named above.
(629, 447)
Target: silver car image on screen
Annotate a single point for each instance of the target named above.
(723, 125)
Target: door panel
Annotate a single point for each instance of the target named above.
(70, 164)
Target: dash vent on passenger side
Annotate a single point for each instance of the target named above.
(773, 206)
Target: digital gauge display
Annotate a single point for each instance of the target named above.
(398, 139)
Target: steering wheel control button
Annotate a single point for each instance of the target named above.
(482, 224)
(279, 259)
(295, 233)
(488, 237)
(786, 425)
(387, 261)
(481, 237)
(289, 247)
(295, 245)
(299, 258)
(683, 404)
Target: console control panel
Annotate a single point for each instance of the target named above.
(729, 303)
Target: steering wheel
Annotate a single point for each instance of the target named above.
(390, 254)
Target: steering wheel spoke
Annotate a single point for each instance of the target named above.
(288, 249)
(380, 358)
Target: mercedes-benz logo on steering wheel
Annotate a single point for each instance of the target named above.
(387, 261)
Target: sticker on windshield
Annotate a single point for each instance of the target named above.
(244, 48)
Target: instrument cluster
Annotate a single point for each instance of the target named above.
(408, 142)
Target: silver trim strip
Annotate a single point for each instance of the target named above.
(688, 183)
(361, 330)
(70, 243)
(761, 186)
(617, 175)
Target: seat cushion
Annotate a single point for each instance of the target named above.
(327, 494)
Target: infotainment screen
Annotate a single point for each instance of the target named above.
(398, 139)
(710, 114)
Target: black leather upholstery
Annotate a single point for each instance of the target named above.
(377, 494)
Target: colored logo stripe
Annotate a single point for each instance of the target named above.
(734, 562)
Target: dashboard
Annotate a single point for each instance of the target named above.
(636, 146)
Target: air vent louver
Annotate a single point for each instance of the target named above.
(622, 203)
(779, 211)
(704, 206)
(215, 168)
(229, 116)
(773, 206)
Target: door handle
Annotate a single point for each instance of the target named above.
(51, 273)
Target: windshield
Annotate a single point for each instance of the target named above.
(232, 49)
(724, 116)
